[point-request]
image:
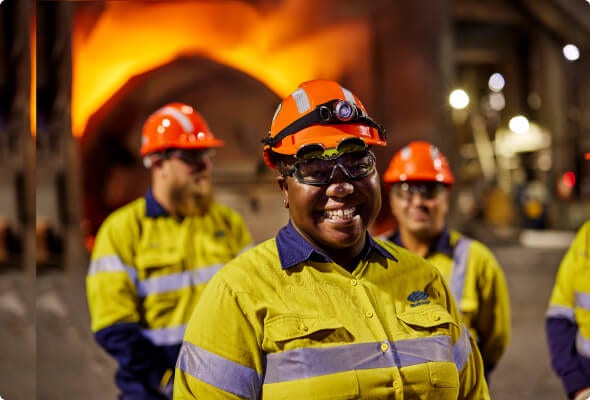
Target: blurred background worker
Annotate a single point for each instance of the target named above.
(324, 311)
(420, 181)
(152, 258)
(568, 318)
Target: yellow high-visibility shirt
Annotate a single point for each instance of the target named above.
(568, 315)
(478, 283)
(273, 325)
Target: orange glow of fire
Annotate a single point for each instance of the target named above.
(279, 48)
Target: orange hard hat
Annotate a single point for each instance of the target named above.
(176, 125)
(319, 112)
(419, 161)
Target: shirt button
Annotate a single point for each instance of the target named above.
(369, 314)
(396, 384)
(303, 327)
(437, 318)
(354, 282)
(384, 347)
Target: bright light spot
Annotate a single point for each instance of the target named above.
(496, 82)
(569, 179)
(458, 99)
(571, 52)
(587, 155)
(519, 124)
(497, 101)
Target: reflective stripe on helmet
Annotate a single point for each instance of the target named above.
(181, 118)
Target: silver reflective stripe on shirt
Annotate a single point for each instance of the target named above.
(459, 269)
(111, 264)
(312, 362)
(219, 372)
(561, 312)
(462, 349)
(165, 336)
(176, 281)
(583, 300)
(316, 361)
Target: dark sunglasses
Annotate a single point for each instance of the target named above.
(197, 157)
(426, 190)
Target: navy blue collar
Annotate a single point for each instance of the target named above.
(442, 244)
(153, 209)
(294, 249)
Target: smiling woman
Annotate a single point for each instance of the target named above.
(324, 310)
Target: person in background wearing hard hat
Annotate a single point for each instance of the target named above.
(567, 322)
(419, 180)
(323, 310)
(153, 257)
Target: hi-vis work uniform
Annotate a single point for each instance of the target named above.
(282, 321)
(147, 272)
(568, 316)
(477, 281)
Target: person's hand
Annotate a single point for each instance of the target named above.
(582, 394)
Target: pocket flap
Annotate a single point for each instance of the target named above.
(427, 317)
(155, 259)
(287, 327)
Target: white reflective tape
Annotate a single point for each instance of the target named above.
(182, 119)
(301, 100)
(348, 95)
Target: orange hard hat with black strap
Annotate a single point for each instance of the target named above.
(176, 126)
(419, 161)
(322, 113)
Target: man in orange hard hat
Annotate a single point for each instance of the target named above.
(419, 180)
(153, 257)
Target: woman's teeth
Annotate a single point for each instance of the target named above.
(340, 214)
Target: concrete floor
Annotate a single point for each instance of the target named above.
(51, 355)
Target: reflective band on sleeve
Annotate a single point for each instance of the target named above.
(459, 269)
(165, 336)
(182, 119)
(311, 362)
(111, 264)
(219, 372)
(583, 345)
(176, 281)
(561, 312)
(462, 349)
(583, 300)
(301, 100)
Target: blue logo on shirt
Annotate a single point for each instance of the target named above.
(418, 298)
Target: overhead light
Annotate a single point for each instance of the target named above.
(496, 82)
(519, 124)
(459, 99)
(571, 52)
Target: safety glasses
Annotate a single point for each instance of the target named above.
(426, 190)
(320, 171)
(195, 157)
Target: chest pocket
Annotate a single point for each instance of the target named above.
(442, 376)
(427, 317)
(295, 331)
(310, 378)
(152, 264)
